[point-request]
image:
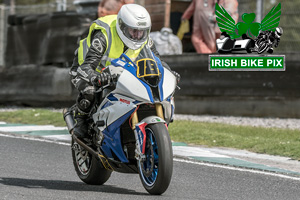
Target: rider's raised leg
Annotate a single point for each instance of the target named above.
(84, 104)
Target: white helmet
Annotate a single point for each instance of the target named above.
(133, 25)
(278, 32)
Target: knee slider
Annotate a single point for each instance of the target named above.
(85, 103)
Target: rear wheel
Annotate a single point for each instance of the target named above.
(87, 167)
(156, 170)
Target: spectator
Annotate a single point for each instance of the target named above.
(166, 42)
(205, 28)
(111, 7)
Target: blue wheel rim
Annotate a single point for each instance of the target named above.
(149, 167)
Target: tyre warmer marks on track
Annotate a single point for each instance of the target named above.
(179, 149)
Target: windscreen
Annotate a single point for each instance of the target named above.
(147, 68)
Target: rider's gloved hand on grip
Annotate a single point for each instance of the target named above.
(177, 76)
(101, 79)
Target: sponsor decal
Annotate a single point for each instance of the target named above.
(141, 23)
(120, 62)
(142, 136)
(125, 101)
(97, 44)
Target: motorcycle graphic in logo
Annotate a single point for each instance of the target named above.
(256, 37)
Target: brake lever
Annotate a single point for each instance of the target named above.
(102, 88)
(111, 83)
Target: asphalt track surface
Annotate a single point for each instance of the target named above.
(43, 170)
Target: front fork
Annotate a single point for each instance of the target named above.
(140, 133)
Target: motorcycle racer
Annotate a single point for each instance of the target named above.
(109, 37)
(267, 39)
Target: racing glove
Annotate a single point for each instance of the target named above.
(101, 79)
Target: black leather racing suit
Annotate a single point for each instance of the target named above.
(82, 76)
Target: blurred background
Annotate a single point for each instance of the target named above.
(38, 39)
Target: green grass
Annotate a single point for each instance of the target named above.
(33, 116)
(271, 141)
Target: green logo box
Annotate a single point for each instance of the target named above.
(246, 63)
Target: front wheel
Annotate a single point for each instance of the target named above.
(262, 47)
(156, 170)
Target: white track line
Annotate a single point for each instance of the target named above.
(31, 128)
(194, 151)
(34, 139)
(238, 169)
(175, 159)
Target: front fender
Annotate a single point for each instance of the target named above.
(153, 120)
(141, 132)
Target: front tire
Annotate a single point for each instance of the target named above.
(262, 48)
(87, 167)
(156, 170)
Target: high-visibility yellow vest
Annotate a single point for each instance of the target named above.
(115, 46)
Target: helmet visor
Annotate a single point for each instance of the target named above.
(135, 34)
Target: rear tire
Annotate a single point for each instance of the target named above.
(87, 167)
(158, 179)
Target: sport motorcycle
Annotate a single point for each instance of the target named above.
(128, 124)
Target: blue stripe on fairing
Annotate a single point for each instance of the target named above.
(161, 69)
(111, 97)
(108, 103)
(169, 98)
(136, 102)
(133, 70)
(112, 138)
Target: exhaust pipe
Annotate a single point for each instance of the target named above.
(68, 117)
(89, 149)
(98, 155)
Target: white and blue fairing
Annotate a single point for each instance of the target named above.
(132, 89)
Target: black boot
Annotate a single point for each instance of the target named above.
(80, 129)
